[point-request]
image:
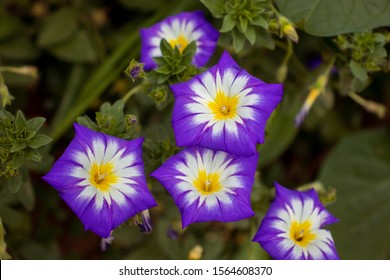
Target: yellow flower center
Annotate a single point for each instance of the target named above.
(223, 106)
(301, 233)
(207, 183)
(102, 176)
(180, 42)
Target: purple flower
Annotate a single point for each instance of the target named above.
(209, 185)
(292, 227)
(224, 108)
(179, 30)
(102, 179)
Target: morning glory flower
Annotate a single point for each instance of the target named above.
(224, 108)
(179, 30)
(209, 185)
(292, 227)
(102, 179)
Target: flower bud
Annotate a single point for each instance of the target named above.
(288, 29)
(195, 253)
(135, 70)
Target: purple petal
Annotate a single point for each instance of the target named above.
(202, 32)
(230, 203)
(196, 123)
(101, 210)
(288, 208)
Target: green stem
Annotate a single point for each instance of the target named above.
(370, 106)
(273, 9)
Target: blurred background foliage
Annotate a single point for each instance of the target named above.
(331, 52)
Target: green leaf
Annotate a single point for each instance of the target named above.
(333, 17)
(87, 122)
(227, 24)
(39, 140)
(17, 146)
(238, 40)
(117, 110)
(77, 50)
(26, 194)
(164, 70)
(176, 54)
(216, 7)
(190, 48)
(250, 34)
(58, 28)
(243, 24)
(260, 21)
(281, 132)
(264, 39)
(21, 48)
(20, 121)
(17, 160)
(8, 25)
(34, 155)
(166, 48)
(186, 59)
(179, 69)
(358, 70)
(35, 123)
(162, 78)
(14, 182)
(359, 169)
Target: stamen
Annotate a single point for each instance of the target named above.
(300, 235)
(224, 110)
(100, 177)
(207, 185)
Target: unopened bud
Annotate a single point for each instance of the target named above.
(159, 94)
(39, 9)
(376, 108)
(288, 29)
(281, 73)
(130, 120)
(135, 70)
(5, 96)
(28, 70)
(273, 26)
(195, 253)
(99, 17)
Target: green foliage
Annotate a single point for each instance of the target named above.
(58, 28)
(173, 66)
(78, 49)
(62, 36)
(241, 20)
(366, 53)
(359, 168)
(9, 25)
(19, 143)
(112, 120)
(157, 152)
(334, 17)
(280, 132)
(3, 253)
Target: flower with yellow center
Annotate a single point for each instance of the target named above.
(209, 185)
(179, 30)
(292, 227)
(224, 108)
(102, 179)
